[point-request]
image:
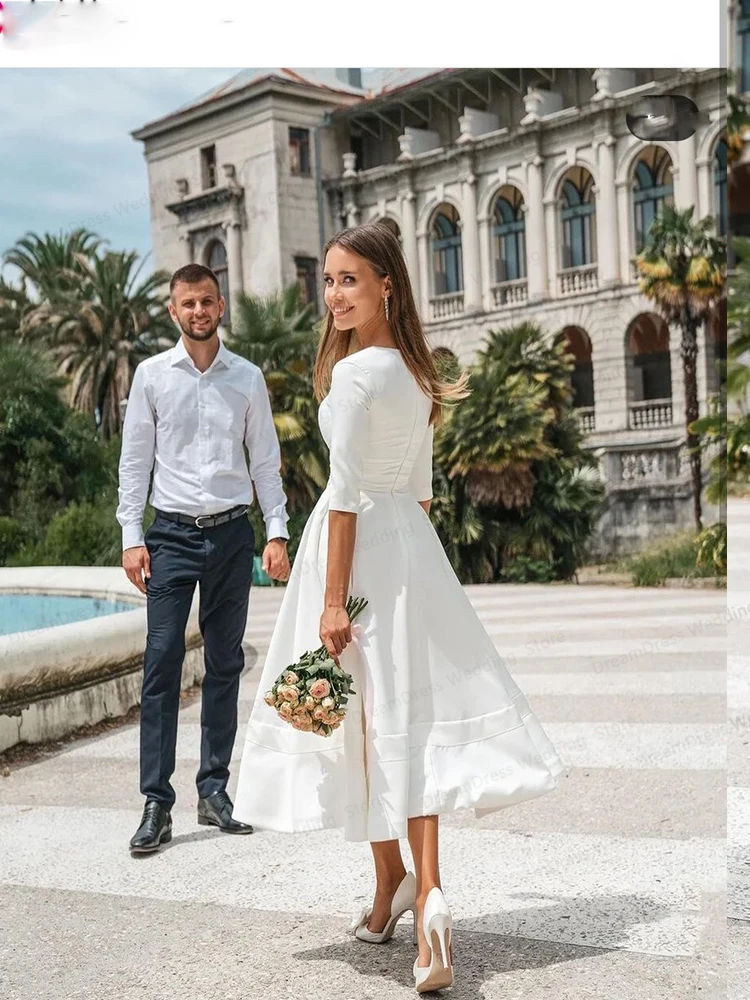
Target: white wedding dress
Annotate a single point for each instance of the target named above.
(437, 722)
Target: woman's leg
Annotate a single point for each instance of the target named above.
(423, 840)
(389, 873)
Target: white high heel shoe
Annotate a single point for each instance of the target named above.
(437, 924)
(405, 898)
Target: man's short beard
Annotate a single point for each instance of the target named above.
(200, 335)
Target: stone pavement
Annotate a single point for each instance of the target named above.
(611, 886)
(738, 764)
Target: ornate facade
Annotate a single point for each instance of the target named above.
(517, 194)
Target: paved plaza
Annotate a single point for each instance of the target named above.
(738, 764)
(612, 886)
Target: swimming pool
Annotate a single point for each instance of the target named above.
(28, 612)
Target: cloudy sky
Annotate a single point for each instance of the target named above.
(66, 154)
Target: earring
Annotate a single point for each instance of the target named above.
(387, 309)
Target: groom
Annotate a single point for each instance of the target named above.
(192, 411)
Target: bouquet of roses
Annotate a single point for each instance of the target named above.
(312, 694)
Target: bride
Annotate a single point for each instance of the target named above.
(437, 723)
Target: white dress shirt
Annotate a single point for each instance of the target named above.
(190, 427)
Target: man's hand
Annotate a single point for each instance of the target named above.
(276, 559)
(137, 565)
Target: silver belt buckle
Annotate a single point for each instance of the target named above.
(199, 519)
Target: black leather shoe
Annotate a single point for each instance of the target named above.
(216, 810)
(155, 829)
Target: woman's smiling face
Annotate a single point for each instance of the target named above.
(353, 291)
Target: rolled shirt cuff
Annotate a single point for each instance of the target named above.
(132, 535)
(276, 528)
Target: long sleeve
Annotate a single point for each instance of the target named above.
(136, 460)
(420, 480)
(350, 400)
(265, 460)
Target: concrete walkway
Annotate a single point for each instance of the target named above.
(738, 769)
(610, 887)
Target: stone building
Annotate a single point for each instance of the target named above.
(517, 194)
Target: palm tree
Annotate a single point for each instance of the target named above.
(683, 270)
(15, 306)
(277, 333)
(51, 263)
(513, 479)
(518, 386)
(99, 335)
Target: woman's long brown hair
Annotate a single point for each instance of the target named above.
(376, 244)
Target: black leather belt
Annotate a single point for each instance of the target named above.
(204, 520)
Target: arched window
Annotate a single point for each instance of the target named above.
(578, 219)
(743, 35)
(719, 345)
(509, 236)
(217, 261)
(447, 263)
(578, 344)
(653, 188)
(649, 372)
(720, 186)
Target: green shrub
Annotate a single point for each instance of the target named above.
(11, 538)
(712, 549)
(84, 534)
(522, 569)
(669, 558)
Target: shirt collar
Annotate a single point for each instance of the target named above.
(180, 354)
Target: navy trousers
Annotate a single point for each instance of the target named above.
(220, 560)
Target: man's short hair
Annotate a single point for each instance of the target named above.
(192, 274)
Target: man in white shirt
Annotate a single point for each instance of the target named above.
(191, 412)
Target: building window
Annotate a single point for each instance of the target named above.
(578, 217)
(509, 237)
(650, 374)
(653, 188)
(743, 38)
(299, 151)
(720, 186)
(208, 167)
(578, 344)
(307, 280)
(447, 264)
(217, 261)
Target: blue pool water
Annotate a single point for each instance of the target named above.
(26, 612)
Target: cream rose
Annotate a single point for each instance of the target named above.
(269, 698)
(321, 688)
(289, 693)
(285, 711)
(327, 703)
(290, 677)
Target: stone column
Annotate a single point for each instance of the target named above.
(485, 263)
(234, 259)
(351, 209)
(625, 229)
(409, 236)
(186, 250)
(423, 253)
(705, 190)
(687, 193)
(470, 244)
(606, 216)
(535, 231)
(554, 262)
